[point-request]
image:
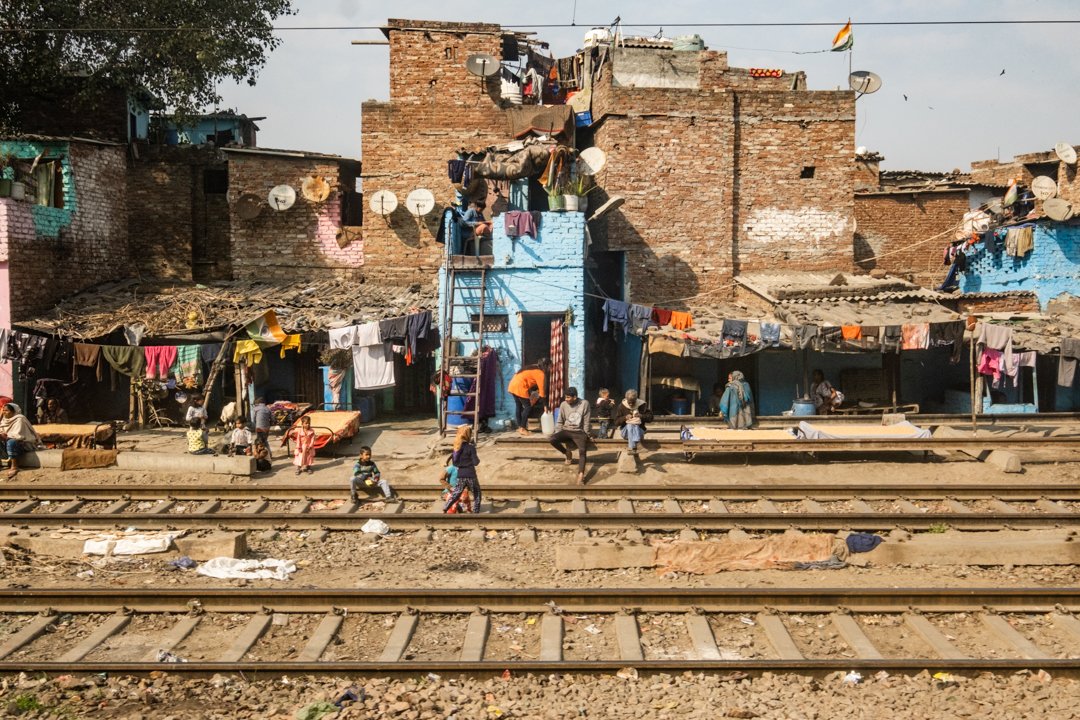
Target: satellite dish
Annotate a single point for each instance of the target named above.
(248, 206)
(591, 161)
(1066, 153)
(864, 82)
(315, 189)
(482, 65)
(420, 202)
(1058, 209)
(281, 197)
(383, 202)
(1044, 187)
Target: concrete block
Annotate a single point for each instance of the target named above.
(627, 463)
(156, 462)
(216, 544)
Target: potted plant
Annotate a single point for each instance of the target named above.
(577, 190)
(556, 200)
(7, 160)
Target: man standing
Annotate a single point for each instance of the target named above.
(261, 417)
(573, 427)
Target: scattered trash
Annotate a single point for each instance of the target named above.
(314, 711)
(747, 621)
(351, 695)
(494, 711)
(627, 673)
(592, 629)
(85, 574)
(376, 527)
(183, 562)
(554, 608)
(852, 678)
(531, 621)
(945, 680)
(432, 677)
(226, 568)
(164, 656)
(141, 544)
(506, 674)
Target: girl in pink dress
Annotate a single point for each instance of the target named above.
(304, 455)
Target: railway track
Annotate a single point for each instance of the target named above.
(556, 630)
(598, 508)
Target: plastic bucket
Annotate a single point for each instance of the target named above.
(802, 408)
(455, 404)
(680, 406)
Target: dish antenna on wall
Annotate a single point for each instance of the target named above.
(248, 206)
(1066, 153)
(482, 65)
(315, 189)
(864, 82)
(281, 197)
(420, 202)
(383, 202)
(1044, 187)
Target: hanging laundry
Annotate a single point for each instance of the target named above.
(805, 336)
(851, 332)
(770, 334)
(892, 336)
(990, 241)
(1070, 353)
(189, 362)
(342, 337)
(948, 334)
(418, 335)
(681, 320)
(373, 360)
(27, 349)
(159, 358)
(990, 363)
(998, 337)
(518, 223)
(5, 336)
(1021, 359)
(455, 170)
(666, 345)
(134, 333)
(831, 337)
(291, 342)
(661, 317)
(915, 336)
(127, 360)
(88, 356)
(616, 312)
(640, 318)
(247, 352)
(393, 329)
(733, 334)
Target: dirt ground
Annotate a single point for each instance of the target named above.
(409, 457)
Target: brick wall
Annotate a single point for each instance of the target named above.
(891, 226)
(435, 108)
(160, 186)
(56, 252)
(301, 242)
(1020, 302)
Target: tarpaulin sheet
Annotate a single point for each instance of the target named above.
(714, 433)
(86, 459)
(329, 426)
(899, 431)
(775, 551)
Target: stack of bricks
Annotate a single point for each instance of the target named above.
(302, 241)
(53, 253)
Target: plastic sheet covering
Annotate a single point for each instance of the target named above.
(866, 431)
(227, 568)
(773, 552)
(144, 544)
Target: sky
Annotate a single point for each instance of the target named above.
(944, 101)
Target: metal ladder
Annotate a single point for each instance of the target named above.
(466, 287)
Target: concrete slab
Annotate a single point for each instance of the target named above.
(217, 544)
(155, 462)
(627, 463)
(603, 556)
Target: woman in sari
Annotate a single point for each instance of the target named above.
(737, 403)
(17, 435)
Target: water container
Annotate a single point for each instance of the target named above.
(802, 408)
(455, 404)
(680, 405)
(547, 423)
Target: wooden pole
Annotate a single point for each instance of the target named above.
(215, 370)
(974, 388)
(131, 402)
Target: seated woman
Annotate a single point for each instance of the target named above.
(17, 435)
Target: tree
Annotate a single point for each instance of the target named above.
(179, 50)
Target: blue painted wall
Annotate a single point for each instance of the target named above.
(541, 275)
(47, 220)
(1049, 270)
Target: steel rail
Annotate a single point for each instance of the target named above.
(568, 600)
(725, 491)
(648, 521)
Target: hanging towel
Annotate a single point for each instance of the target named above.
(640, 318)
(1070, 353)
(891, 338)
(189, 362)
(916, 336)
(851, 332)
(247, 352)
(948, 334)
(661, 317)
(681, 320)
(518, 223)
(127, 360)
(159, 358)
(805, 336)
(373, 367)
(87, 356)
(342, 337)
(616, 312)
(998, 337)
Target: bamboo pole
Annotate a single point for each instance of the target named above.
(974, 388)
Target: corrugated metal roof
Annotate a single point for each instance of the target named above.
(812, 287)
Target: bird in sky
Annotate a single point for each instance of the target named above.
(1002, 72)
(905, 97)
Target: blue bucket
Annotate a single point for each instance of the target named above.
(802, 408)
(455, 404)
(680, 406)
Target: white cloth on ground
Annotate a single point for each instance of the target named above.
(227, 568)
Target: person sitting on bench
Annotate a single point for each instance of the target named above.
(630, 416)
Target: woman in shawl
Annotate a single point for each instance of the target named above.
(737, 403)
(630, 417)
(17, 435)
(304, 455)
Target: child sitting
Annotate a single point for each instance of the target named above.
(241, 440)
(605, 406)
(262, 458)
(196, 439)
(366, 474)
(449, 481)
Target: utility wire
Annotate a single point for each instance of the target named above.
(308, 28)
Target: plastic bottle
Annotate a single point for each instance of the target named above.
(547, 423)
